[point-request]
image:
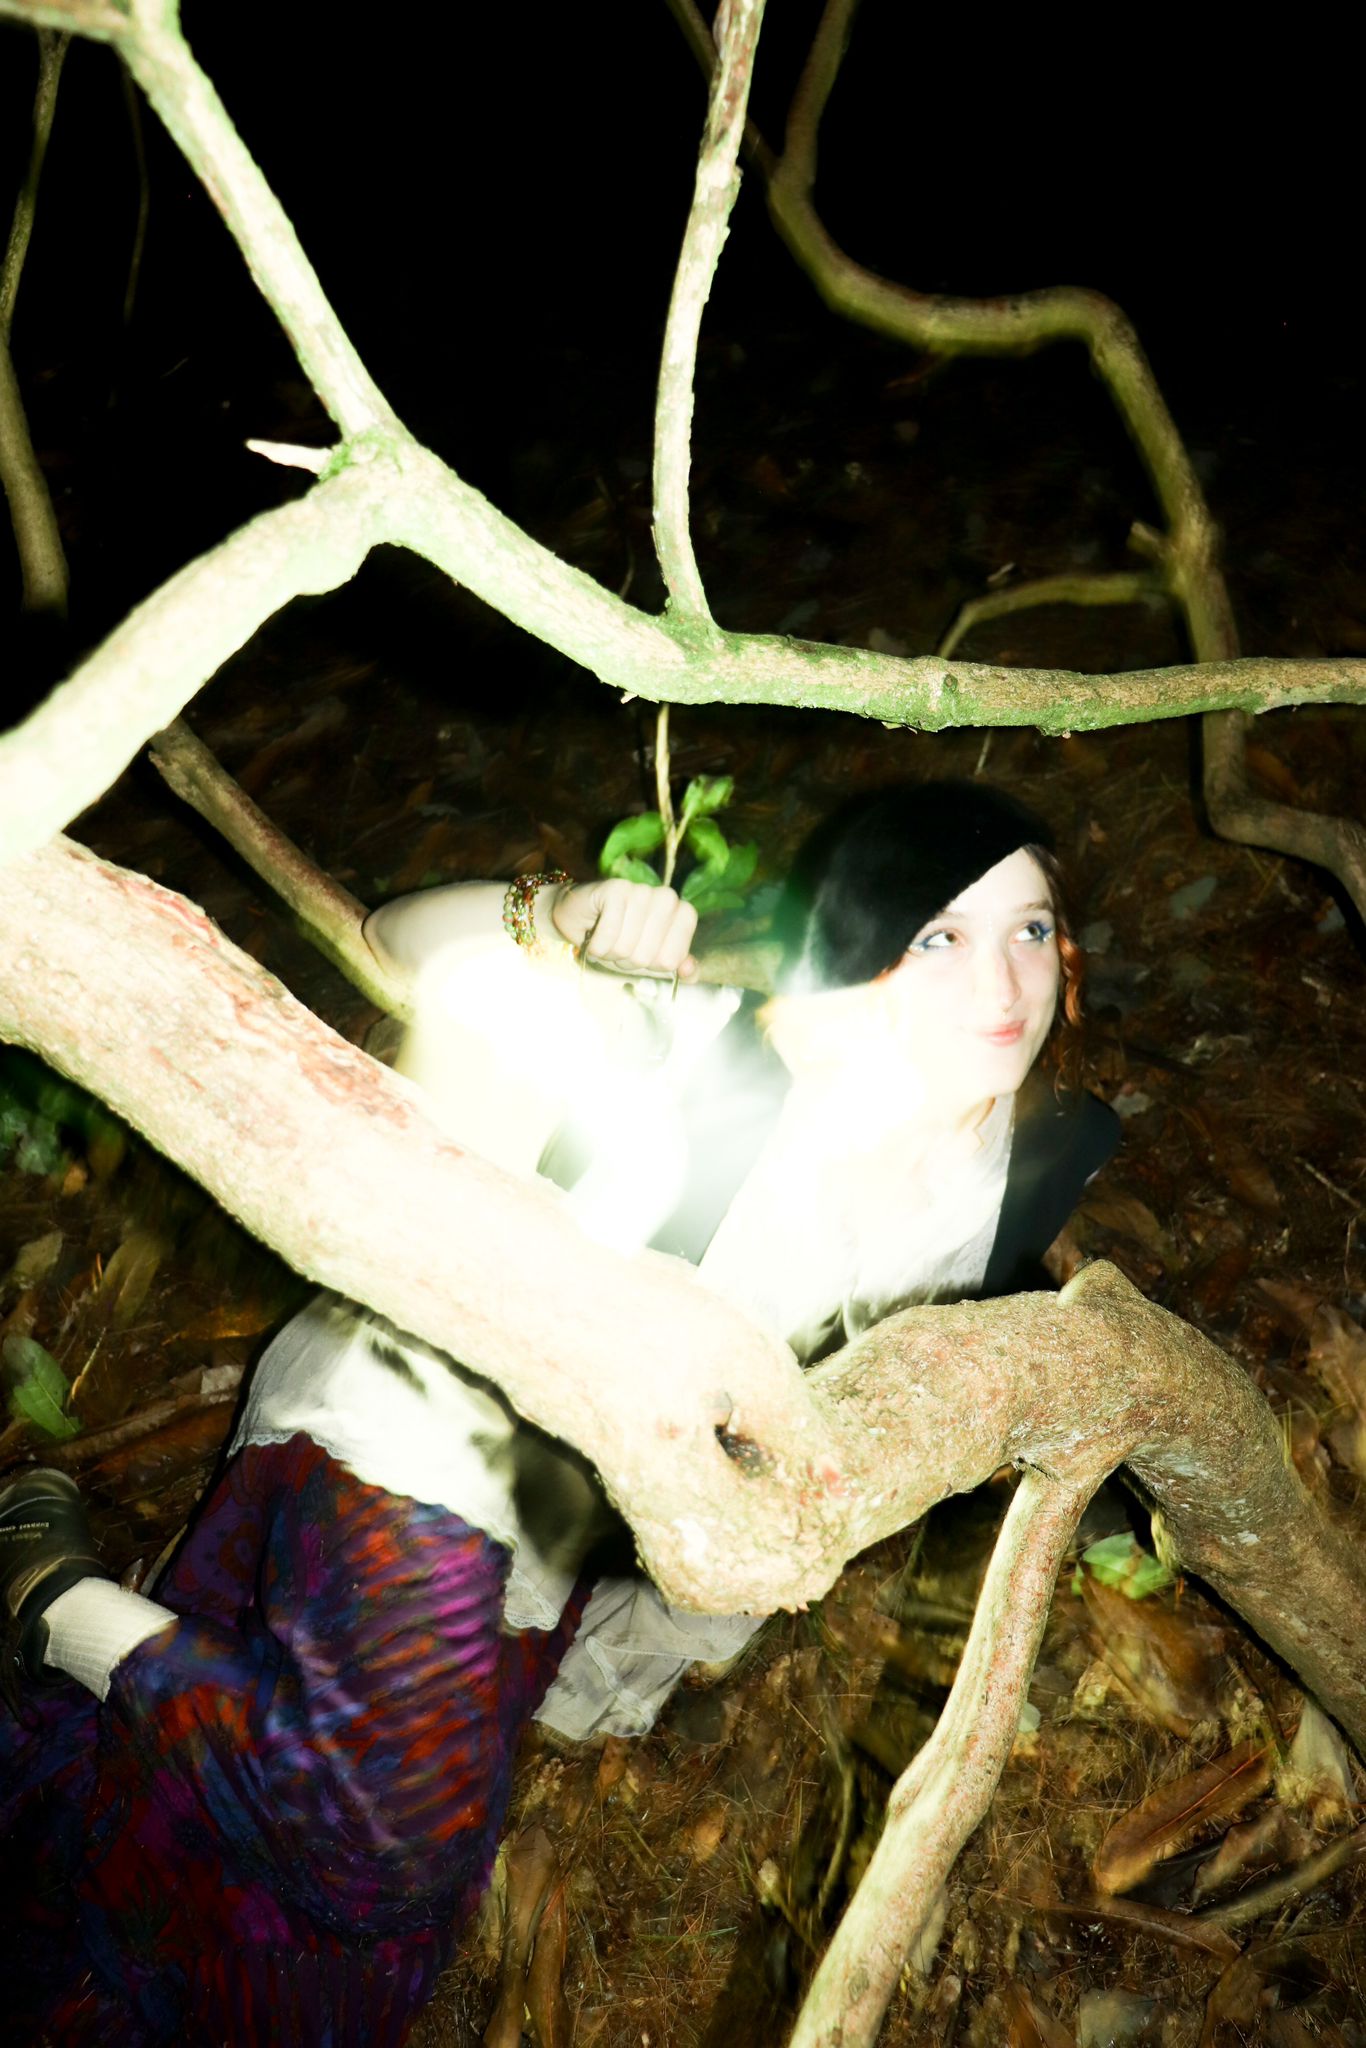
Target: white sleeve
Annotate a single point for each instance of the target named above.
(498, 1033)
(405, 934)
(506, 1042)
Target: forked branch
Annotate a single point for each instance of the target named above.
(1015, 325)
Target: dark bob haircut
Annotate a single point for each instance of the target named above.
(882, 866)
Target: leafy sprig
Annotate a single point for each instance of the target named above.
(722, 872)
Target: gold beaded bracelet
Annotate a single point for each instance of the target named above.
(519, 906)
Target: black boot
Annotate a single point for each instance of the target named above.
(45, 1548)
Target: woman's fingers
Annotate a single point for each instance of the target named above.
(576, 910)
(629, 924)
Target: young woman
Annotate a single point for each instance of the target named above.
(259, 1805)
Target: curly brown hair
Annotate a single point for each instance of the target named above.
(1066, 1044)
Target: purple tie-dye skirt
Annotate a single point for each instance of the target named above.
(277, 1823)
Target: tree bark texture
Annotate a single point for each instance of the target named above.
(131, 991)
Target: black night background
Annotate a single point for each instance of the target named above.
(494, 200)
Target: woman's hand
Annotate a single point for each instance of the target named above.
(628, 925)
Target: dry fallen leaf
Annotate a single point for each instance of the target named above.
(1031, 2024)
(612, 1765)
(1295, 1306)
(1273, 774)
(231, 1319)
(1304, 1441)
(1235, 2000)
(432, 854)
(1251, 1183)
(1128, 1216)
(1317, 1773)
(1170, 1818)
(704, 1836)
(1337, 1360)
(127, 1278)
(1243, 1173)
(1169, 1663)
(1275, 1838)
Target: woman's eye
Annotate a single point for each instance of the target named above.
(934, 942)
(1037, 932)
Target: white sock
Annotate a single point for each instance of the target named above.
(94, 1625)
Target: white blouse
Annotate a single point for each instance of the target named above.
(827, 1236)
(829, 1233)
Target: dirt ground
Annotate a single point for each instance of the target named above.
(404, 736)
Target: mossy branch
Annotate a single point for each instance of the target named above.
(68, 751)
(1016, 325)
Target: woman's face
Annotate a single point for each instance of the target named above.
(973, 998)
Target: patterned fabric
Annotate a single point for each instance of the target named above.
(290, 1802)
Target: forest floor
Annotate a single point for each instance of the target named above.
(403, 736)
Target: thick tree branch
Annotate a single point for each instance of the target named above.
(1099, 1372)
(129, 990)
(74, 744)
(66, 753)
(1067, 1389)
(324, 1154)
(714, 193)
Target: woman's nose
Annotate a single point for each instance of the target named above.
(1002, 980)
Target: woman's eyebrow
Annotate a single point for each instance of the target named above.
(1019, 910)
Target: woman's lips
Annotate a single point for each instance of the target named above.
(1007, 1034)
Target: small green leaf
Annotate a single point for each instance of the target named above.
(741, 865)
(1120, 1561)
(709, 901)
(627, 869)
(39, 1389)
(708, 842)
(632, 836)
(706, 793)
